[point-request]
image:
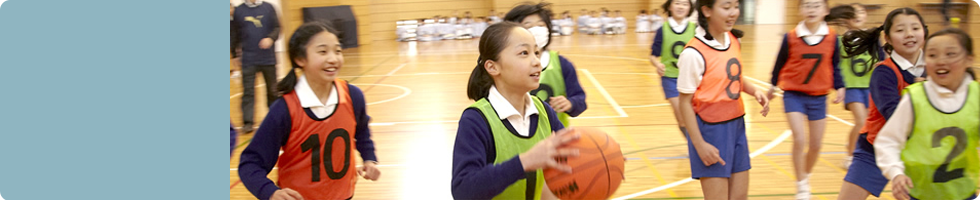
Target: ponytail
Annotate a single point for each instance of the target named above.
(480, 82)
(286, 85)
(703, 21)
(856, 42)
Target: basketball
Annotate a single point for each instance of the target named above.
(596, 172)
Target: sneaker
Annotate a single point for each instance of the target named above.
(803, 189)
(847, 161)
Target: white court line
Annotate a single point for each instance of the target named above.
(405, 89)
(651, 105)
(396, 69)
(602, 90)
(757, 152)
(828, 115)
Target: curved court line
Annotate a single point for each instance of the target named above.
(405, 89)
(757, 152)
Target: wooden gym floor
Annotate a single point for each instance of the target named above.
(417, 91)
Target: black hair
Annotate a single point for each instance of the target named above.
(297, 49)
(527, 8)
(703, 21)
(643, 11)
(667, 4)
(965, 41)
(492, 42)
(840, 13)
(860, 41)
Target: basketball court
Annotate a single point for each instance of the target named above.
(416, 92)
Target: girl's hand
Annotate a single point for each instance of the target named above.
(708, 154)
(560, 104)
(772, 92)
(840, 95)
(369, 171)
(900, 187)
(543, 153)
(764, 101)
(286, 194)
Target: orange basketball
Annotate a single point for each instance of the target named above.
(596, 172)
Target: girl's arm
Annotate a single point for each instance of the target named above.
(838, 79)
(474, 174)
(688, 80)
(655, 51)
(759, 94)
(573, 90)
(780, 60)
(891, 139)
(258, 159)
(362, 137)
(884, 93)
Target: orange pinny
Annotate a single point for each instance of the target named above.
(317, 158)
(809, 68)
(717, 98)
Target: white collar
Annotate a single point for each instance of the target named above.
(505, 109)
(674, 23)
(545, 59)
(802, 31)
(252, 5)
(905, 64)
(308, 99)
(700, 32)
(942, 91)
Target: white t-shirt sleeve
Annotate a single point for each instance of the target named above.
(691, 68)
(892, 138)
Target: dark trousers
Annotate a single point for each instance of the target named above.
(248, 85)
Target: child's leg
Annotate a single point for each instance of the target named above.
(860, 115)
(714, 188)
(796, 120)
(739, 186)
(816, 139)
(851, 191)
(674, 104)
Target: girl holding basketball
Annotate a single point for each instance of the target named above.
(317, 123)
(927, 147)
(855, 69)
(710, 89)
(807, 69)
(905, 33)
(667, 46)
(506, 138)
(559, 83)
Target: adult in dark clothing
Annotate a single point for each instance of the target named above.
(257, 27)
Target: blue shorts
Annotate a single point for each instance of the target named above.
(859, 95)
(729, 138)
(815, 107)
(670, 87)
(864, 169)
